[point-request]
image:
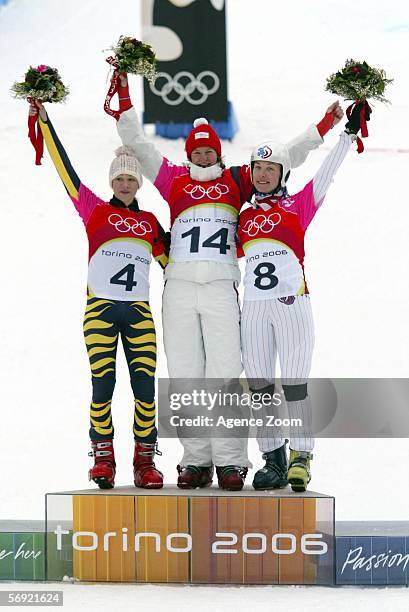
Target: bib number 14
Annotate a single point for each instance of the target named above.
(125, 277)
(217, 240)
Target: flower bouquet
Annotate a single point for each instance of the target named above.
(131, 56)
(359, 82)
(42, 83)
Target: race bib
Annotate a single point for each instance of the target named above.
(119, 270)
(205, 232)
(272, 271)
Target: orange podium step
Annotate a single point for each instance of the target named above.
(205, 536)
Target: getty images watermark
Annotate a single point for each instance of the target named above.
(203, 398)
(319, 407)
(251, 403)
(216, 408)
(31, 598)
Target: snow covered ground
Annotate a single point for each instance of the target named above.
(202, 598)
(356, 265)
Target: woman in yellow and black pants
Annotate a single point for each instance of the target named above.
(121, 239)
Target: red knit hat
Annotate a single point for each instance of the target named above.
(202, 135)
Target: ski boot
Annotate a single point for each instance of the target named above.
(103, 472)
(231, 477)
(274, 474)
(194, 476)
(145, 473)
(299, 474)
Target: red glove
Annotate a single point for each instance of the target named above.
(124, 96)
(325, 124)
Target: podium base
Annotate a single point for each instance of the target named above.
(372, 553)
(22, 550)
(204, 536)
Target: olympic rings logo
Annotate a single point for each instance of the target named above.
(184, 84)
(214, 192)
(260, 223)
(139, 228)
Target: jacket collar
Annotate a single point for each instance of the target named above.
(263, 201)
(197, 173)
(114, 201)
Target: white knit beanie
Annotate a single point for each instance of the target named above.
(125, 162)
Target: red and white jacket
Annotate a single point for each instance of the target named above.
(121, 240)
(271, 233)
(204, 213)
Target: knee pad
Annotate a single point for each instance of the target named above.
(295, 393)
(103, 388)
(143, 386)
(261, 393)
(268, 389)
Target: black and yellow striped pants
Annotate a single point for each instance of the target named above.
(104, 321)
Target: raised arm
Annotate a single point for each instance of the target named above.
(300, 147)
(155, 166)
(325, 175)
(132, 134)
(57, 152)
(82, 198)
(309, 199)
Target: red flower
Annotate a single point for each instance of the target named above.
(41, 68)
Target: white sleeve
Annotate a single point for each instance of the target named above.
(300, 146)
(325, 175)
(131, 133)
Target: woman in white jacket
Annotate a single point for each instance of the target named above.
(201, 313)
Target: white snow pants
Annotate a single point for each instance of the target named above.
(269, 327)
(201, 328)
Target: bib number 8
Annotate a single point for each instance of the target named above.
(128, 282)
(265, 280)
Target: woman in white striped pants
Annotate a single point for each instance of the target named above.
(277, 317)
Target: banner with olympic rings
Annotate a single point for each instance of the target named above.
(189, 39)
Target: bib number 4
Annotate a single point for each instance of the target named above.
(215, 241)
(125, 277)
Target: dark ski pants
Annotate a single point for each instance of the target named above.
(104, 321)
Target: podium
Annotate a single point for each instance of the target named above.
(372, 553)
(203, 536)
(22, 550)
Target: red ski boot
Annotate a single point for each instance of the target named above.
(145, 473)
(103, 472)
(231, 477)
(194, 476)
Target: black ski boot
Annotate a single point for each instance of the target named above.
(274, 474)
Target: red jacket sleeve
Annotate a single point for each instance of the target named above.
(161, 244)
(242, 177)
